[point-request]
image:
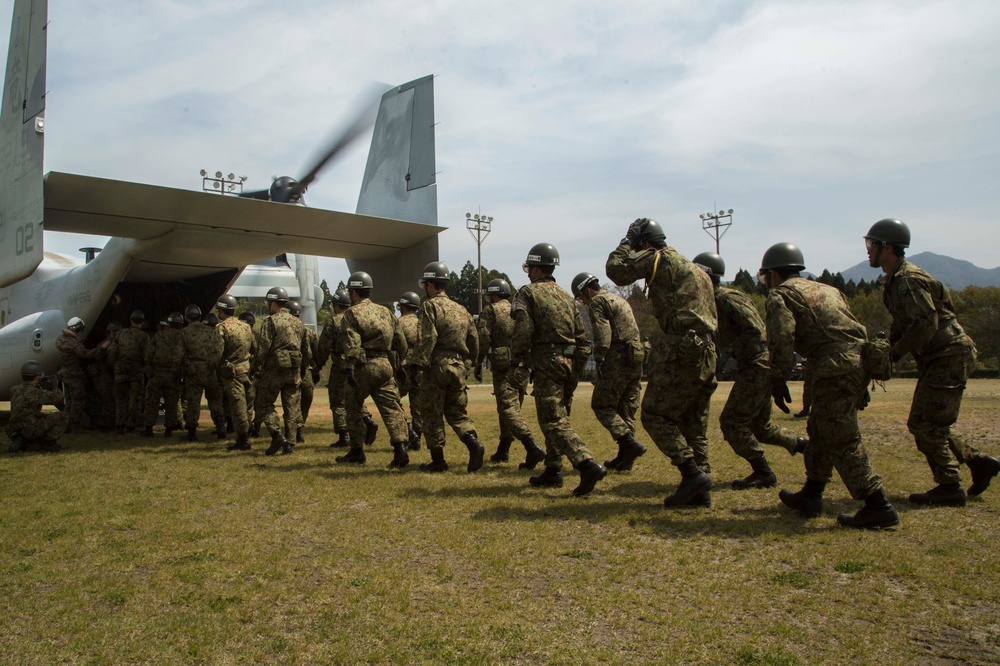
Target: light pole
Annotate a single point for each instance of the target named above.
(222, 184)
(479, 227)
(711, 224)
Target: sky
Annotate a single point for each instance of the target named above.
(564, 120)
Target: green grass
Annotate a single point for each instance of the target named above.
(129, 550)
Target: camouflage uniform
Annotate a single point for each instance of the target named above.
(238, 345)
(746, 418)
(307, 387)
(102, 375)
(496, 329)
(370, 334)
(618, 351)
(26, 417)
(128, 353)
(448, 344)
(410, 327)
(280, 360)
(814, 320)
(72, 372)
(164, 354)
(924, 324)
(682, 361)
(331, 346)
(549, 337)
(201, 358)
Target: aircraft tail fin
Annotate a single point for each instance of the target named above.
(399, 182)
(22, 127)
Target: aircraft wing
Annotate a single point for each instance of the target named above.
(212, 229)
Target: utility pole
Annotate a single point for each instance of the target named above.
(712, 225)
(479, 227)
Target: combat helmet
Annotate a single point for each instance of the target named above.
(137, 316)
(226, 302)
(75, 324)
(212, 319)
(113, 327)
(498, 287)
(294, 308)
(247, 317)
(890, 232)
(192, 312)
(342, 298)
(541, 254)
(277, 295)
(360, 280)
(783, 255)
(647, 230)
(583, 280)
(30, 370)
(175, 318)
(712, 263)
(410, 299)
(436, 271)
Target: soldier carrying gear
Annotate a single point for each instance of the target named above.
(127, 353)
(27, 422)
(746, 418)
(163, 357)
(408, 305)
(238, 345)
(280, 361)
(201, 359)
(814, 320)
(924, 324)
(310, 374)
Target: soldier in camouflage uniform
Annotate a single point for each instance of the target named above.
(746, 418)
(27, 422)
(924, 324)
(238, 345)
(618, 353)
(331, 346)
(550, 342)
(279, 364)
(370, 336)
(310, 373)
(102, 375)
(447, 345)
(201, 358)
(496, 328)
(72, 354)
(682, 364)
(815, 320)
(250, 320)
(128, 354)
(164, 354)
(408, 305)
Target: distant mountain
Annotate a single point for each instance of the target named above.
(955, 273)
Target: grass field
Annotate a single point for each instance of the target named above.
(128, 550)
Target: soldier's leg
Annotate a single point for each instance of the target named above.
(666, 398)
(76, 394)
(741, 408)
(213, 396)
(456, 404)
(291, 404)
(236, 392)
(307, 390)
(267, 390)
(354, 401)
(154, 389)
(121, 404)
(391, 410)
(193, 390)
(694, 421)
(550, 386)
(606, 401)
(432, 397)
(937, 400)
(171, 406)
(55, 425)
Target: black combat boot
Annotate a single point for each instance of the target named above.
(800, 445)
(762, 476)
(945, 494)
(299, 437)
(400, 457)
(371, 430)
(356, 456)
(277, 444)
(437, 463)
(344, 442)
(192, 433)
(230, 428)
(147, 431)
(808, 501)
(801, 415)
(551, 477)
(242, 443)
(476, 451)
(503, 450)
(590, 473)
(876, 514)
(629, 451)
(532, 454)
(414, 443)
(701, 500)
(254, 430)
(983, 469)
(168, 431)
(693, 482)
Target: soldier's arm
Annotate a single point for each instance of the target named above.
(472, 340)
(352, 340)
(919, 315)
(602, 328)
(82, 352)
(485, 324)
(582, 344)
(324, 347)
(399, 345)
(428, 336)
(266, 334)
(625, 267)
(524, 328)
(780, 337)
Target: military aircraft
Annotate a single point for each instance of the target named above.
(172, 247)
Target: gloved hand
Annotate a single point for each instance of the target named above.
(478, 372)
(632, 235)
(865, 399)
(351, 379)
(414, 373)
(599, 367)
(315, 376)
(779, 391)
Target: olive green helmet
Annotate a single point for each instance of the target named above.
(175, 318)
(541, 254)
(498, 287)
(360, 280)
(712, 263)
(891, 232)
(783, 255)
(436, 271)
(276, 294)
(410, 300)
(247, 317)
(212, 319)
(30, 370)
(226, 302)
(582, 281)
(192, 312)
(294, 308)
(647, 230)
(341, 298)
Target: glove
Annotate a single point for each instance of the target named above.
(315, 376)
(351, 379)
(779, 391)
(863, 402)
(599, 367)
(414, 372)
(478, 372)
(894, 355)
(402, 377)
(632, 235)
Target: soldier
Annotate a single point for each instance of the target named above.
(128, 353)
(408, 305)
(201, 358)
(72, 354)
(102, 374)
(551, 343)
(815, 320)
(250, 320)
(746, 418)
(370, 334)
(238, 345)
(447, 345)
(924, 324)
(310, 373)
(27, 423)
(279, 363)
(496, 328)
(682, 363)
(618, 353)
(164, 354)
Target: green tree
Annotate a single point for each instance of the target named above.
(871, 312)
(978, 310)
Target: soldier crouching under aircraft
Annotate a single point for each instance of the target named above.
(28, 425)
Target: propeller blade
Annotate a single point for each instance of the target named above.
(263, 195)
(363, 119)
